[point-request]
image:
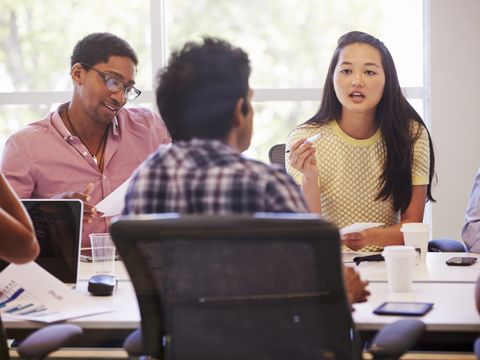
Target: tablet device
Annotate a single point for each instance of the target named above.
(403, 308)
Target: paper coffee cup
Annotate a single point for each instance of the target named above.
(400, 264)
(417, 235)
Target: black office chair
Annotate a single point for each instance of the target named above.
(446, 245)
(276, 154)
(42, 342)
(243, 287)
(476, 348)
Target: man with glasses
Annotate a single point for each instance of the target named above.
(90, 145)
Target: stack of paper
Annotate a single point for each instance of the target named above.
(29, 292)
(358, 227)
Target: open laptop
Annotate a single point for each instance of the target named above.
(58, 226)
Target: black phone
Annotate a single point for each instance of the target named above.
(403, 308)
(461, 261)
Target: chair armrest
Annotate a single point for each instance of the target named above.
(133, 344)
(276, 154)
(48, 339)
(476, 348)
(446, 245)
(396, 338)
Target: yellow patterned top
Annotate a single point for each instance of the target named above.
(350, 170)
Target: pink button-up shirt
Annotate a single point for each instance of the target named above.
(44, 159)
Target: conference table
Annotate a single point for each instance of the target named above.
(434, 270)
(453, 319)
(101, 329)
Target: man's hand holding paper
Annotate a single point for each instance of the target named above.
(113, 204)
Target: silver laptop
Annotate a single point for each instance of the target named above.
(58, 226)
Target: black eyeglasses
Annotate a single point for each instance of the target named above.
(115, 85)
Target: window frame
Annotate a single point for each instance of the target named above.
(159, 57)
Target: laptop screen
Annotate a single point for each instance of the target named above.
(58, 226)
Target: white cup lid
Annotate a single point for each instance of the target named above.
(399, 251)
(415, 227)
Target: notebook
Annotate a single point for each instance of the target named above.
(58, 226)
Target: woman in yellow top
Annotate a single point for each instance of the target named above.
(373, 159)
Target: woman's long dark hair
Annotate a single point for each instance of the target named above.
(393, 115)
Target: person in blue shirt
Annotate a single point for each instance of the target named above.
(471, 228)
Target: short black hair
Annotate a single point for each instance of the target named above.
(98, 47)
(199, 89)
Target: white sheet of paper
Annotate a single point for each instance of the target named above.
(29, 292)
(358, 227)
(114, 202)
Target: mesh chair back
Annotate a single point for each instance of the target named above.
(238, 287)
(276, 154)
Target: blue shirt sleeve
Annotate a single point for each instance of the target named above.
(471, 229)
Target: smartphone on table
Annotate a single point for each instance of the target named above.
(461, 261)
(403, 308)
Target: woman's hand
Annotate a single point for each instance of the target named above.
(302, 158)
(355, 240)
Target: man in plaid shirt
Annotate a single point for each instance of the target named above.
(205, 101)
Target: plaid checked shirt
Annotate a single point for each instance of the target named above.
(209, 177)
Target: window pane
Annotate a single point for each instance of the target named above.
(273, 121)
(419, 108)
(290, 43)
(37, 38)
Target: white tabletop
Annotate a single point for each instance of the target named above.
(453, 310)
(125, 314)
(85, 271)
(434, 270)
(451, 289)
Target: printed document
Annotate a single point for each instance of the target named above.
(113, 204)
(29, 292)
(358, 227)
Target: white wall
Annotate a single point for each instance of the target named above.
(455, 108)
